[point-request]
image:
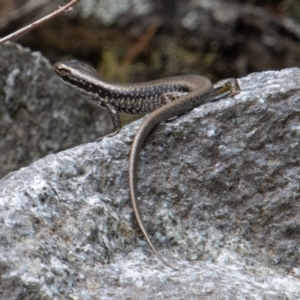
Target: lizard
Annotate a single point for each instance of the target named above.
(163, 99)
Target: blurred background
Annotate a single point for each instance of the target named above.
(131, 41)
(139, 40)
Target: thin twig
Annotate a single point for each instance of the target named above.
(39, 22)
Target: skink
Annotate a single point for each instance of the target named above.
(163, 99)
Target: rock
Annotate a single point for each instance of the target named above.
(219, 192)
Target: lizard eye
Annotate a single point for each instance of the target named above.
(57, 66)
(61, 69)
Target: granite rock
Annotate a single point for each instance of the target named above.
(219, 192)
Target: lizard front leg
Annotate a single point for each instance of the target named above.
(115, 119)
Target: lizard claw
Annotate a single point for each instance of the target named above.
(108, 135)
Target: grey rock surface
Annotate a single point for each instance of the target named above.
(219, 192)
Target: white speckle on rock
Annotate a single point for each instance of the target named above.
(9, 88)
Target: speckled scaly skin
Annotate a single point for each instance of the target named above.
(163, 99)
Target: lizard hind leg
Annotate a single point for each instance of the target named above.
(227, 85)
(169, 97)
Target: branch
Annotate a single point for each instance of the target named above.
(33, 25)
